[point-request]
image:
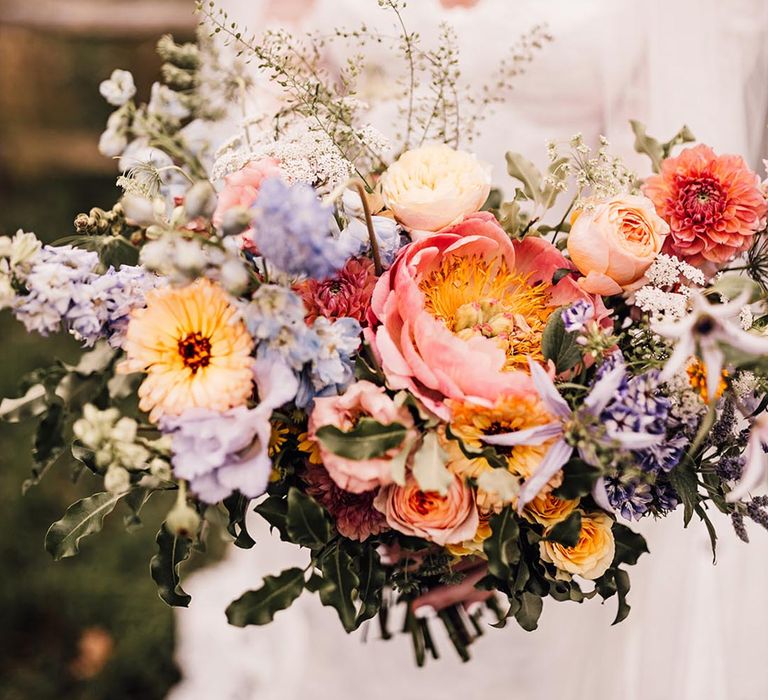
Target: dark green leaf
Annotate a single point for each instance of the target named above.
(83, 518)
(560, 274)
(558, 345)
(339, 585)
(307, 522)
(275, 511)
(172, 550)
(259, 607)
(502, 547)
(369, 439)
(710, 530)
(372, 579)
(578, 479)
(488, 452)
(135, 500)
(622, 588)
(237, 507)
(527, 615)
(39, 470)
(683, 480)
(49, 438)
(566, 532)
(527, 173)
(629, 545)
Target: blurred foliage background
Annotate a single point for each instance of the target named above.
(90, 627)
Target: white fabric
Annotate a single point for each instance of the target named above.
(696, 631)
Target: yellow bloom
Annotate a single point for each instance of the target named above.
(193, 348)
(697, 376)
(473, 546)
(592, 554)
(278, 437)
(311, 448)
(510, 413)
(547, 509)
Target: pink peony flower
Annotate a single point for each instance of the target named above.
(713, 205)
(448, 519)
(354, 514)
(242, 187)
(348, 293)
(360, 399)
(460, 311)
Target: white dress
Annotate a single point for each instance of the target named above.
(696, 631)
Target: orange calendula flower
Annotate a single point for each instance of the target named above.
(697, 376)
(193, 348)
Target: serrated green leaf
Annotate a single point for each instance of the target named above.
(259, 607)
(502, 547)
(629, 545)
(558, 345)
(172, 550)
(429, 465)
(307, 523)
(369, 439)
(83, 518)
(566, 532)
(339, 585)
(237, 508)
(527, 615)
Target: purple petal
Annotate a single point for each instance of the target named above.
(604, 390)
(537, 435)
(550, 396)
(276, 381)
(552, 463)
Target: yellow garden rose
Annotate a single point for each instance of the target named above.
(593, 553)
(547, 509)
(434, 186)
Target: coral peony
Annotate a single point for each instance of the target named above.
(449, 519)
(360, 399)
(348, 293)
(459, 312)
(713, 205)
(354, 514)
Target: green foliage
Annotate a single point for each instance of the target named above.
(307, 523)
(274, 510)
(83, 518)
(369, 439)
(172, 550)
(237, 508)
(529, 610)
(501, 547)
(578, 479)
(655, 150)
(339, 586)
(535, 187)
(259, 607)
(629, 545)
(566, 532)
(558, 345)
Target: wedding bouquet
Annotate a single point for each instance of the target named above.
(453, 402)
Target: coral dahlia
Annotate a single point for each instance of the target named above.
(713, 205)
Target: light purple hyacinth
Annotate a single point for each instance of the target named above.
(219, 453)
(587, 416)
(577, 315)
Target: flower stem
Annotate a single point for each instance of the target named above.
(371, 232)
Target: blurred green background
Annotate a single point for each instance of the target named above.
(92, 626)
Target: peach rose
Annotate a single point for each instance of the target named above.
(547, 509)
(434, 186)
(242, 187)
(593, 553)
(615, 242)
(360, 399)
(449, 519)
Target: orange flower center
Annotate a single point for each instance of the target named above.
(195, 351)
(697, 376)
(478, 297)
(424, 502)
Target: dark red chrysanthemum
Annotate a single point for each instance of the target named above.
(355, 516)
(346, 294)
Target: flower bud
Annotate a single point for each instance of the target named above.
(234, 277)
(200, 200)
(235, 221)
(183, 520)
(160, 469)
(117, 480)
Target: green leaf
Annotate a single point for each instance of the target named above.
(372, 579)
(259, 607)
(307, 522)
(32, 404)
(339, 585)
(578, 480)
(369, 439)
(651, 147)
(135, 500)
(629, 545)
(710, 530)
(502, 547)
(560, 273)
(275, 511)
(734, 285)
(621, 579)
(527, 173)
(566, 532)
(40, 469)
(488, 452)
(172, 550)
(49, 438)
(237, 507)
(429, 465)
(527, 615)
(83, 518)
(558, 345)
(683, 480)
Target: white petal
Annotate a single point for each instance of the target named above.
(552, 463)
(742, 340)
(604, 390)
(554, 403)
(754, 468)
(537, 435)
(600, 495)
(677, 360)
(634, 441)
(712, 356)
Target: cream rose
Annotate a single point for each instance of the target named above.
(593, 553)
(547, 509)
(614, 242)
(434, 186)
